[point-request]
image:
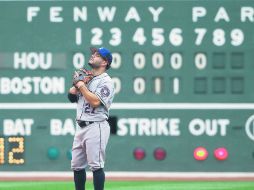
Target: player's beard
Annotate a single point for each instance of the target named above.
(94, 65)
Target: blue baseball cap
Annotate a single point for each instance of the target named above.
(105, 53)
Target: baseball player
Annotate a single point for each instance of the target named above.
(94, 92)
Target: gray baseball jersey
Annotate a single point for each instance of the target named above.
(103, 87)
(89, 145)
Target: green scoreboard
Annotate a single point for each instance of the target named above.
(183, 76)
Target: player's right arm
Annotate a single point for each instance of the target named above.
(72, 95)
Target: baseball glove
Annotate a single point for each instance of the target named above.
(82, 75)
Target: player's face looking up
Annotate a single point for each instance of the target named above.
(96, 61)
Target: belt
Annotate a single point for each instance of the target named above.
(83, 124)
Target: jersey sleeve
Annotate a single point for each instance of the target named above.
(72, 97)
(105, 92)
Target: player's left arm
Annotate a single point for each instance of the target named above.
(72, 95)
(92, 98)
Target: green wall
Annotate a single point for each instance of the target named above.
(190, 64)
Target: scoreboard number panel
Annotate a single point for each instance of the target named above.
(182, 72)
(16, 150)
(175, 57)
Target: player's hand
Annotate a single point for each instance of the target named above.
(79, 84)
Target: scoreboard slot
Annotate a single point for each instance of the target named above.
(182, 81)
